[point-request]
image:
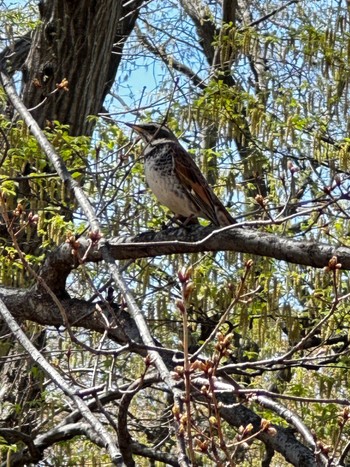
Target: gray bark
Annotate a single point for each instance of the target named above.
(81, 41)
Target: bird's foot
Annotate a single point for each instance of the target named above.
(181, 221)
(190, 220)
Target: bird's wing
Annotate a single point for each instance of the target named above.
(196, 185)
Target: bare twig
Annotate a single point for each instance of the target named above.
(269, 15)
(225, 315)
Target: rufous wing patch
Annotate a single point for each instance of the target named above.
(196, 185)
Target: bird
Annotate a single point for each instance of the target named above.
(175, 179)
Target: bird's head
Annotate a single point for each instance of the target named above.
(151, 132)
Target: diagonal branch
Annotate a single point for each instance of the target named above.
(269, 15)
(170, 61)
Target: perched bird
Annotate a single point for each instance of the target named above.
(175, 179)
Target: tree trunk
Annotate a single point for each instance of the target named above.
(81, 41)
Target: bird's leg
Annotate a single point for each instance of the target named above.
(190, 220)
(171, 220)
(181, 221)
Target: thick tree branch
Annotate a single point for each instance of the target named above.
(37, 307)
(13, 57)
(193, 239)
(252, 242)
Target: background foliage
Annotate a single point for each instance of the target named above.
(261, 101)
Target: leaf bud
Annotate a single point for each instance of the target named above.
(180, 305)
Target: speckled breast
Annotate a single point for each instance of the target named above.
(162, 180)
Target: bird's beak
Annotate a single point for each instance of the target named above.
(135, 127)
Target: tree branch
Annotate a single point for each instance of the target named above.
(269, 15)
(170, 61)
(12, 58)
(193, 239)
